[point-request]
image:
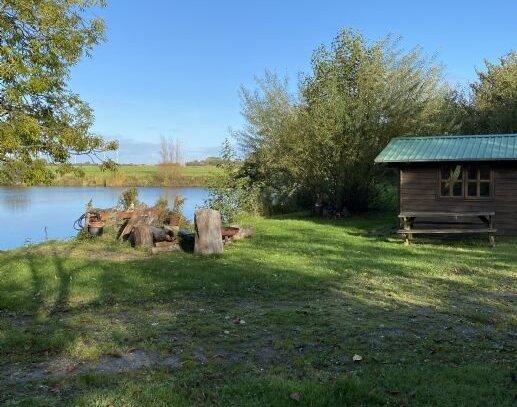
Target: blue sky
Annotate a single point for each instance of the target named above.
(174, 68)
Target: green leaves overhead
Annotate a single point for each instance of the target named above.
(39, 116)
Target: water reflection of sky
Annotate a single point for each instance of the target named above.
(26, 212)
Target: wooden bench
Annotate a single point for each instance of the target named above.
(408, 220)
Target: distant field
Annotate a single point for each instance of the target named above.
(141, 175)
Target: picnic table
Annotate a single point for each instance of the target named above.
(408, 219)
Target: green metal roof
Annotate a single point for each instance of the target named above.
(450, 148)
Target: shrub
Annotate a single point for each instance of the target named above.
(383, 197)
(231, 192)
(129, 198)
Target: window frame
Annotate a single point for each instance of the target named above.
(465, 168)
(451, 195)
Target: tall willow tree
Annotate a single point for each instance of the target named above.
(42, 121)
(494, 97)
(271, 139)
(357, 97)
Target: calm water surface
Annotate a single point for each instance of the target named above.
(31, 215)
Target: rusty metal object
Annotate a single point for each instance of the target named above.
(95, 228)
(229, 232)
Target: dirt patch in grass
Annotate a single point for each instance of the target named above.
(59, 367)
(64, 367)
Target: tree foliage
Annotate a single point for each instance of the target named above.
(41, 120)
(494, 97)
(231, 192)
(319, 145)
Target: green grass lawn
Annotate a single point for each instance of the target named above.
(99, 324)
(140, 175)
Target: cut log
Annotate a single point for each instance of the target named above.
(146, 216)
(161, 235)
(166, 247)
(208, 232)
(143, 235)
(166, 244)
(127, 227)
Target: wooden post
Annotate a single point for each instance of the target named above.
(491, 237)
(86, 220)
(143, 235)
(407, 227)
(208, 237)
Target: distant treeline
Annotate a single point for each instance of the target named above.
(213, 161)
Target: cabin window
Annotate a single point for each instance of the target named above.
(478, 182)
(451, 181)
(470, 182)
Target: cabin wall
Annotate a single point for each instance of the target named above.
(418, 191)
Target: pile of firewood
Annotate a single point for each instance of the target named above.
(142, 231)
(147, 227)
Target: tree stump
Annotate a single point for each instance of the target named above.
(143, 235)
(208, 239)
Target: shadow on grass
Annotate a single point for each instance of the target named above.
(312, 293)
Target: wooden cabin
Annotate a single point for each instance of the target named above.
(455, 184)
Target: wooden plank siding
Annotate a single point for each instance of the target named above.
(419, 191)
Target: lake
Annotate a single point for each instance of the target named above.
(34, 214)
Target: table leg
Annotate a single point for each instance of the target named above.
(491, 236)
(411, 221)
(408, 222)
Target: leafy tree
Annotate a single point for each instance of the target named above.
(271, 139)
(494, 97)
(320, 145)
(129, 199)
(231, 192)
(41, 120)
(359, 96)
